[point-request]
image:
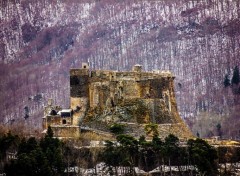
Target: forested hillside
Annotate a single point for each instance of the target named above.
(197, 40)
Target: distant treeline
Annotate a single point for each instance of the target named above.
(50, 156)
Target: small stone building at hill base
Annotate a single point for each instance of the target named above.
(100, 98)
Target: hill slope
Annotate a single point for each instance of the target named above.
(41, 40)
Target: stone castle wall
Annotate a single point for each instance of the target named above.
(102, 97)
(147, 96)
(65, 131)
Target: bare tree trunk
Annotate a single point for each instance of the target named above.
(159, 167)
(145, 159)
(225, 167)
(169, 164)
(163, 167)
(180, 170)
(95, 169)
(116, 170)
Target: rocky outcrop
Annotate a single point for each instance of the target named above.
(135, 97)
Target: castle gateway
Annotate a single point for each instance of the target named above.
(99, 98)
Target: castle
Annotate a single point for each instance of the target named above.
(102, 97)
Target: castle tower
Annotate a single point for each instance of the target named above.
(79, 92)
(137, 68)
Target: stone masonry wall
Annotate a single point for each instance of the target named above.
(132, 97)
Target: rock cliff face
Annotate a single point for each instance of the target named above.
(41, 40)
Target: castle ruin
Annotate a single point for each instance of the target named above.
(102, 97)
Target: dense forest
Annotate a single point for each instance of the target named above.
(197, 40)
(46, 155)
